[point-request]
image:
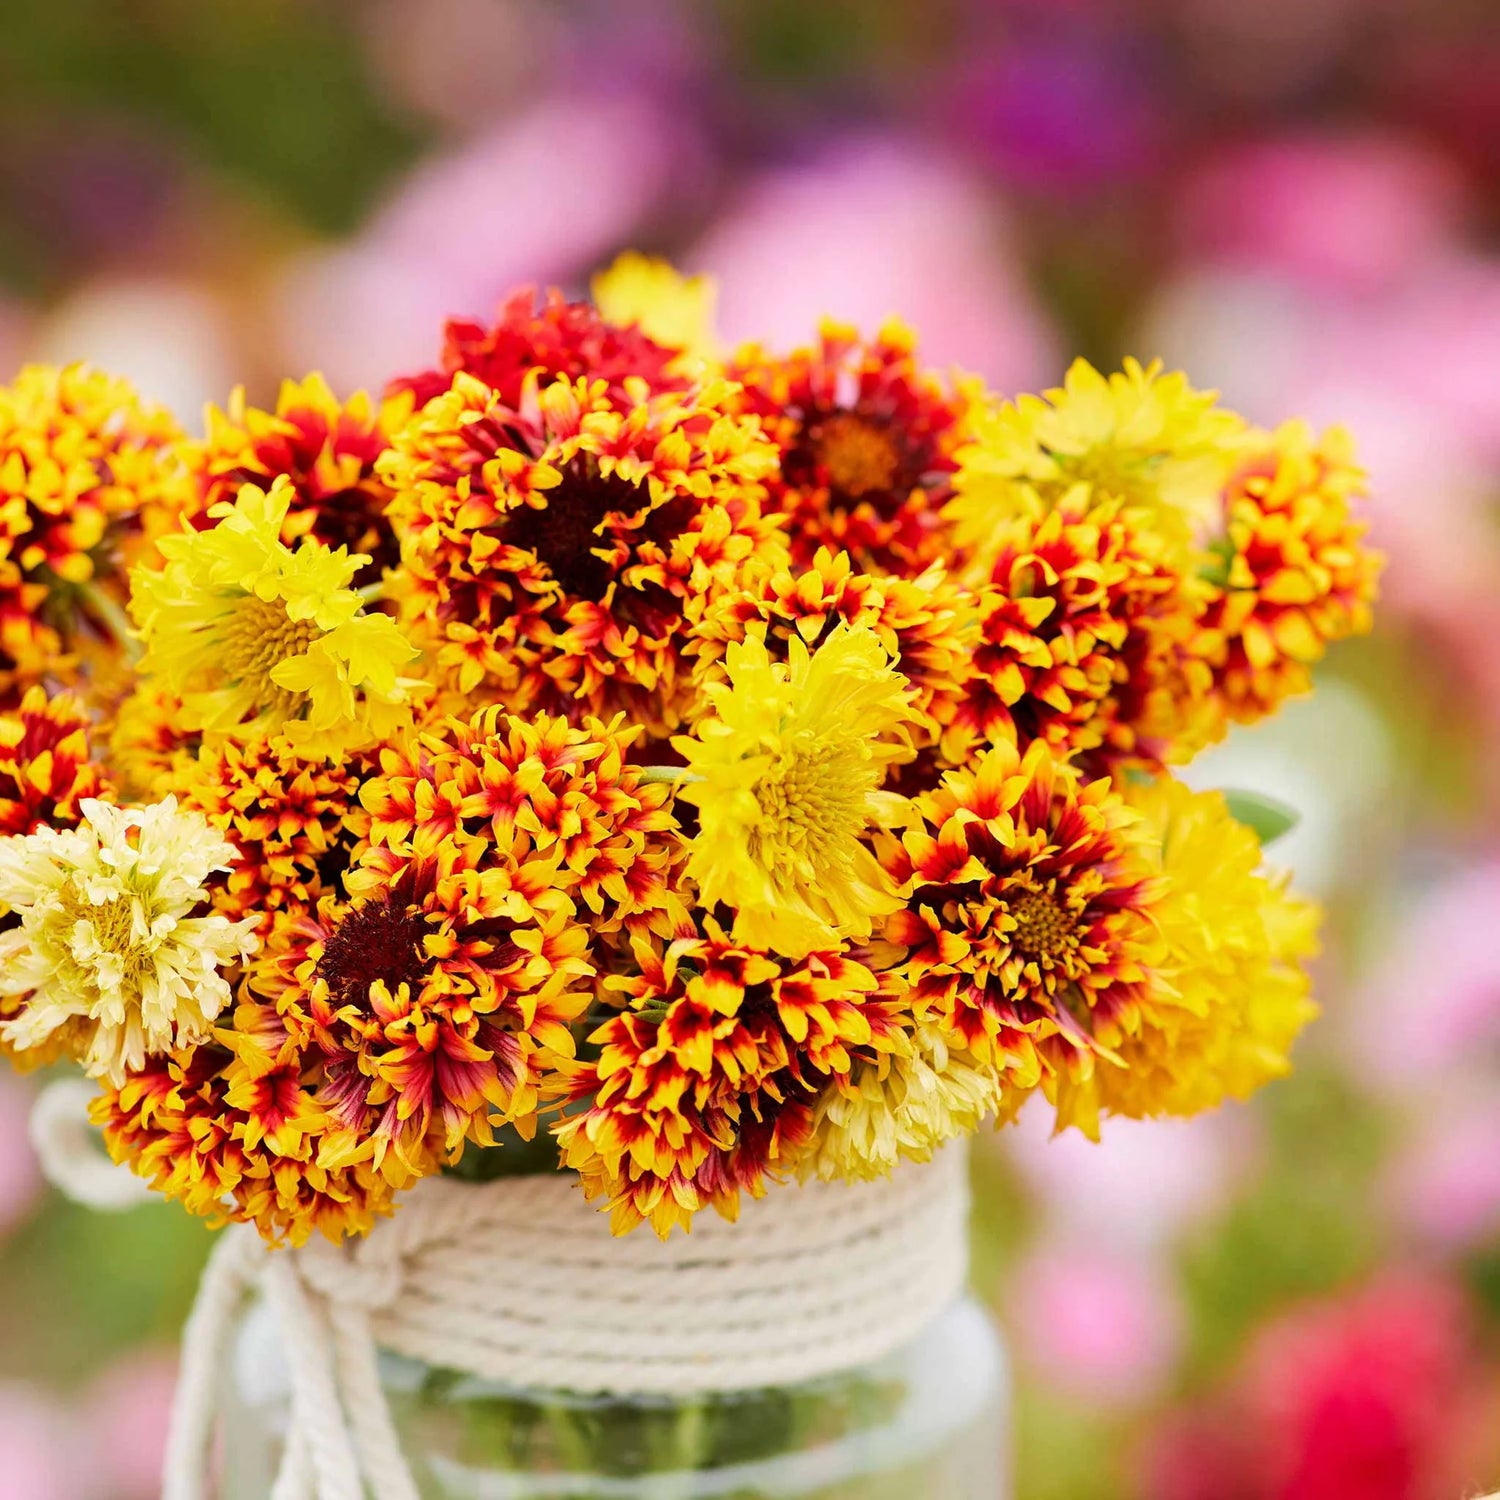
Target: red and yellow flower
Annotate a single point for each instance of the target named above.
(434, 998)
(1087, 628)
(1291, 573)
(868, 442)
(704, 1087)
(1028, 912)
(927, 626)
(47, 766)
(552, 555)
(559, 339)
(326, 447)
(298, 823)
(234, 1143)
(88, 471)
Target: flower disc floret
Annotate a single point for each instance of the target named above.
(258, 638)
(552, 555)
(786, 773)
(109, 946)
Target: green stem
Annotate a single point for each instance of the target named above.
(106, 610)
(676, 775)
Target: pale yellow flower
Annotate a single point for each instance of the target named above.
(107, 949)
(901, 1107)
(786, 774)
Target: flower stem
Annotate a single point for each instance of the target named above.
(674, 775)
(106, 610)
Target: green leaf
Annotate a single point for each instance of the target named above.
(1267, 817)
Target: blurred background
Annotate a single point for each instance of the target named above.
(1296, 200)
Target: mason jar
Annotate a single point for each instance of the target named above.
(928, 1420)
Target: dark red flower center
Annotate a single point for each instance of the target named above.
(565, 531)
(380, 939)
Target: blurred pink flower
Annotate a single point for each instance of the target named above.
(1444, 1182)
(125, 1414)
(20, 1177)
(539, 197)
(35, 1448)
(1370, 1396)
(1352, 210)
(876, 227)
(1099, 1326)
(1141, 1184)
(1064, 110)
(1433, 1001)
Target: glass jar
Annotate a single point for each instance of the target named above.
(930, 1420)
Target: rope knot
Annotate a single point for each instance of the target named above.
(362, 1273)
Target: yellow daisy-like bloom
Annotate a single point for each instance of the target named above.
(87, 471)
(1138, 436)
(1291, 573)
(676, 311)
(901, 1107)
(786, 774)
(107, 948)
(1237, 994)
(927, 625)
(258, 638)
(553, 554)
(325, 446)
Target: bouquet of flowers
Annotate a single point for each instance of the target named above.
(688, 769)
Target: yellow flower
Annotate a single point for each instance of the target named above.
(676, 311)
(106, 948)
(257, 637)
(1236, 994)
(1140, 437)
(786, 773)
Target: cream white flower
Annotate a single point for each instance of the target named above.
(105, 946)
(903, 1107)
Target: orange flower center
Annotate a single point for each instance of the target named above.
(859, 456)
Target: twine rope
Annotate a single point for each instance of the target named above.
(520, 1282)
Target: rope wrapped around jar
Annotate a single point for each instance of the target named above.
(809, 1281)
